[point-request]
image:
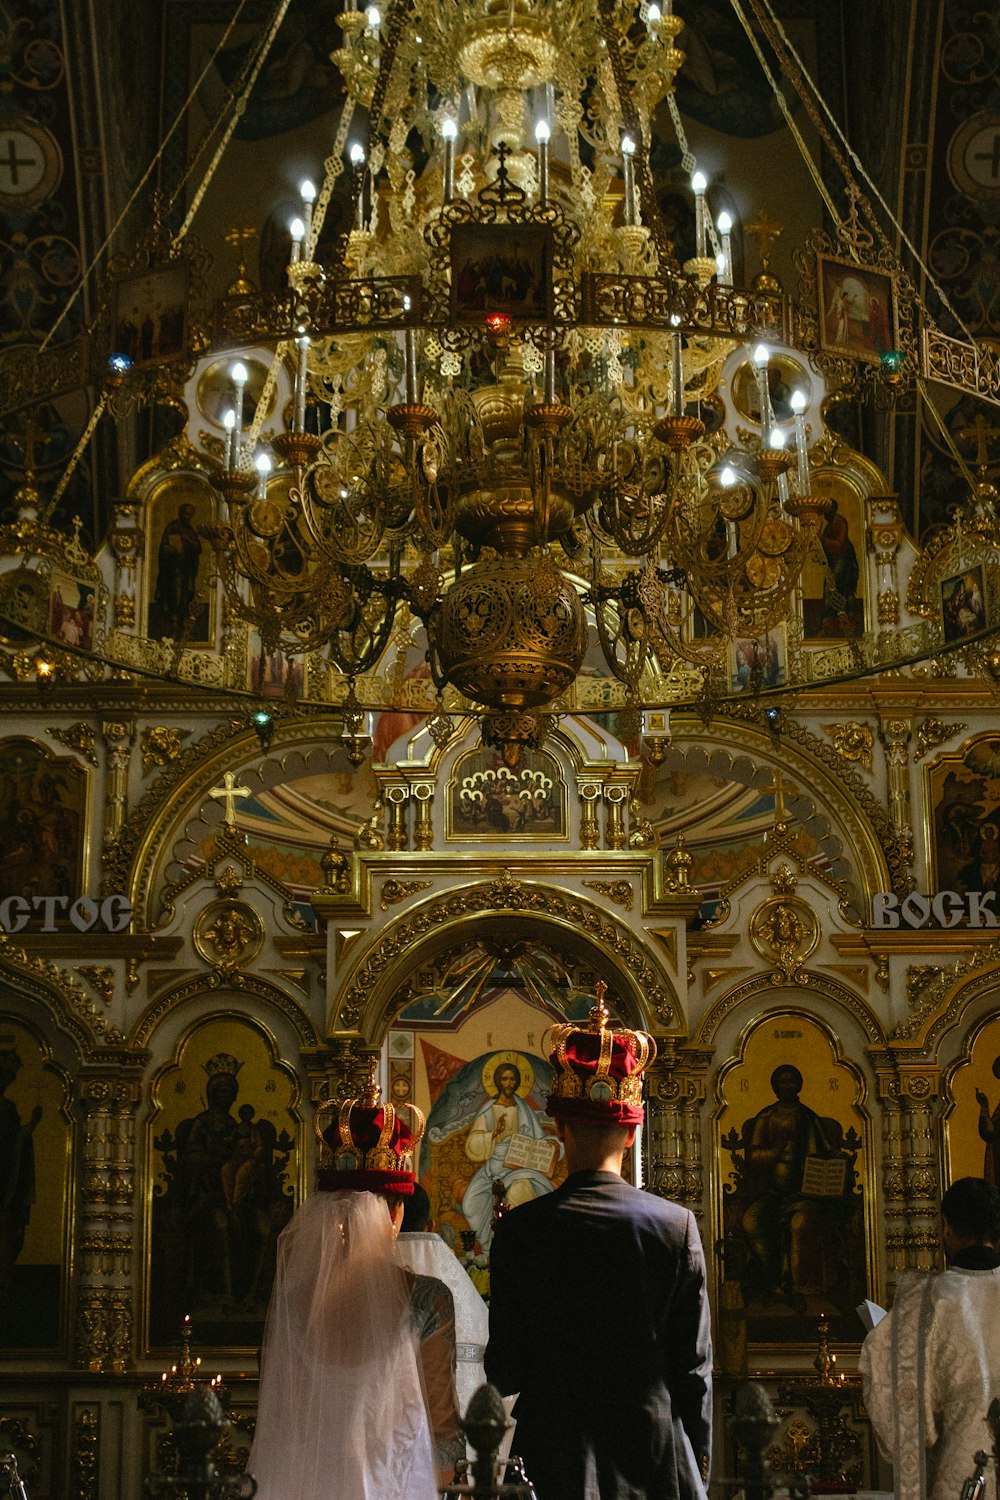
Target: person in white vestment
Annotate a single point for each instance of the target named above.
(357, 1386)
(931, 1367)
(423, 1251)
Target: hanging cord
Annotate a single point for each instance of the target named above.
(237, 115)
(801, 80)
(182, 113)
(75, 457)
(775, 87)
(689, 161)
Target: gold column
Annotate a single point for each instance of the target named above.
(119, 736)
(422, 793)
(616, 796)
(106, 1222)
(590, 833)
(920, 1175)
(397, 796)
(892, 1207)
(665, 1129)
(895, 736)
(126, 540)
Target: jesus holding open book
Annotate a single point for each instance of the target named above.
(511, 1143)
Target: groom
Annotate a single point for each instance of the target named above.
(598, 1309)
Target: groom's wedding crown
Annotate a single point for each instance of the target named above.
(368, 1145)
(598, 1072)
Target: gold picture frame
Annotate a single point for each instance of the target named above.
(858, 309)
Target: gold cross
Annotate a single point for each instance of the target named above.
(765, 230)
(228, 792)
(982, 432)
(778, 788)
(241, 237)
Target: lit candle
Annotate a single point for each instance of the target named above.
(297, 229)
(550, 377)
(262, 464)
(300, 383)
(628, 172)
(699, 182)
(725, 227)
(229, 423)
(449, 134)
(676, 373)
(761, 356)
(778, 446)
(542, 134)
(798, 404)
(411, 365)
(374, 18)
(308, 192)
(653, 17)
(358, 162)
(239, 376)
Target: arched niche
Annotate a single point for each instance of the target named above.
(507, 910)
(225, 1151)
(36, 1170)
(794, 1168)
(735, 774)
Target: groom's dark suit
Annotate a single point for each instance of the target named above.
(599, 1318)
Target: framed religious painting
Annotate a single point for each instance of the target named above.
(502, 269)
(858, 309)
(43, 822)
(36, 1199)
(972, 1113)
(758, 662)
(150, 323)
(488, 801)
(794, 1186)
(71, 609)
(963, 803)
(964, 609)
(181, 598)
(834, 581)
(225, 1165)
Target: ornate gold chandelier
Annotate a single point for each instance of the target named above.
(506, 346)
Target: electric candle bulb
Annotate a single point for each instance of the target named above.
(628, 172)
(728, 477)
(542, 136)
(307, 192)
(229, 423)
(799, 401)
(653, 16)
(297, 230)
(777, 438)
(374, 18)
(357, 154)
(239, 376)
(262, 464)
(724, 224)
(761, 356)
(449, 134)
(300, 384)
(699, 182)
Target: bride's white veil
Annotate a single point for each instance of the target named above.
(341, 1409)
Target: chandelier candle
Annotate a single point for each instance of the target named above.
(307, 190)
(778, 446)
(411, 366)
(300, 384)
(542, 137)
(449, 134)
(676, 374)
(761, 359)
(229, 423)
(699, 182)
(239, 376)
(297, 230)
(798, 405)
(358, 163)
(628, 173)
(724, 224)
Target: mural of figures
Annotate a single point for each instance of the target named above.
(43, 801)
(833, 589)
(223, 1190)
(965, 797)
(180, 607)
(793, 1196)
(488, 1133)
(33, 1132)
(973, 1121)
(489, 800)
(963, 608)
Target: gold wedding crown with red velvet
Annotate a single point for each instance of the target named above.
(598, 1072)
(370, 1145)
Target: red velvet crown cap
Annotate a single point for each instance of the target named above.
(598, 1072)
(369, 1146)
